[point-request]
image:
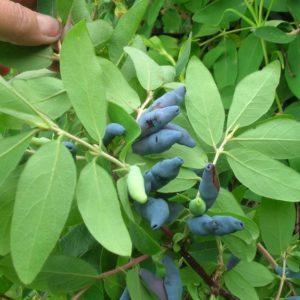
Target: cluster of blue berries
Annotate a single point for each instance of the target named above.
(157, 133)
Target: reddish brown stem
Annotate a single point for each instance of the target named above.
(215, 288)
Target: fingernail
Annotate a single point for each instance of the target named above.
(48, 25)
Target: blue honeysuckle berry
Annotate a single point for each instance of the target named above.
(209, 186)
(157, 142)
(172, 280)
(227, 225)
(232, 262)
(112, 130)
(154, 284)
(156, 211)
(151, 122)
(162, 173)
(125, 295)
(288, 273)
(185, 139)
(174, 97)
(203, 225)
(71, 147)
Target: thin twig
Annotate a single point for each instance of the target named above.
(266, 255)
(215, 288)
(145, 103)
(283, 277)
(104, 275)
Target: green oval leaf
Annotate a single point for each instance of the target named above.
(82, 78)
(147, 70)
(264, 175)
(100, 209)
(274, 35)
(253, 96)
(126, 29)
(277, 138)
(124, 95)
(277, 223)
(203, 103)
(292, 70)
(14, 104)
(11, 150)
(44, 196)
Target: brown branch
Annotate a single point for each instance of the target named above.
(104, 275)
(133, 262)
(266, 255)
(215, 288)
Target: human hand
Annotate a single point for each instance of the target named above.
(20, 25)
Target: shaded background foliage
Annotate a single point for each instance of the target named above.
(56, 239)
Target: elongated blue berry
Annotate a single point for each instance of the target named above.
(153, 121)
(125, 295)
(156, 211)
(71, 147)
(112, 130)
(227, 225)
(174, 97)
(154, 284)
(162, 173)
(232, 262)
(157, 142)
(203, 225)
(172, 280)
(209, 186)
(185, 139)
(293, 298)
(288, 273)
(175, 209)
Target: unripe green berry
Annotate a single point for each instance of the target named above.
(197, 206)
(135, 184)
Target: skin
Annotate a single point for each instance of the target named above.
(172, 281)
(20, 25)
(162, 173)
(156, 211)
(209, 186)
(174, 97)
(154, 284)
(157, 142)
(112, 130)
(151, 122)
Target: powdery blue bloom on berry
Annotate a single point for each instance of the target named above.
(153, 121)
(162, 173)
(71, 147)
(174, 97)
(232, 262)
(172, 280)
(227, 225)
(112, 130)
(203, 225)
(288, 273)
(209, 186)
(157, 142)
(125, 295)
(185, 139)
(156, 211)
(175, 209)
(154, 284)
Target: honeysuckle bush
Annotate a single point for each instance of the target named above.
(68, 229)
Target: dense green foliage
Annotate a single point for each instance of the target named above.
(70, 227)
